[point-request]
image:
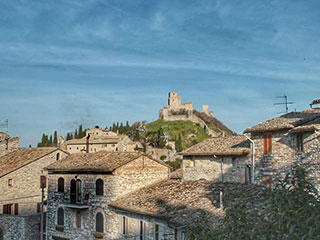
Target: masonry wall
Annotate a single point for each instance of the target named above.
(234, 169)
(8, 145)
(270, 168)
(25, 189)
(20, 227)
(126, 179)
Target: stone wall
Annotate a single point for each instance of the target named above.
(25, 189)
(270, 168)
(234, 169)
(8, 145)
(124, 180)
(20, 227)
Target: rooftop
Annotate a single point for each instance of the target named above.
(21, 157)
(223, 146)
(286, 121)
(99, 161)
(190, 202)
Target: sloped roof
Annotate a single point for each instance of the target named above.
(92, 140)
(223, 146)
(286, 121)
(190, 202)
(21, 157)
(307, 127)
(99, 161)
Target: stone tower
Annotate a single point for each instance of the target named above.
(174, 100)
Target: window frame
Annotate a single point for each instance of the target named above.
(101, 188)
(60, 185)
(96, 222)
(300, 146)
(63, 217)
(267, 143)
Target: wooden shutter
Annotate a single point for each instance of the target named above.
(5, 209)
(265, 145)
(38, 207)
(16, 209)
(269, 144)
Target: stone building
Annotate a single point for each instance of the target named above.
(98, 139)
(225, 159)
(175, 110)
(164, 210)
(282, 143)
(7, 143)
(20, 173)
(82, 186)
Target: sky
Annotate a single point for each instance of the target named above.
(95, 62)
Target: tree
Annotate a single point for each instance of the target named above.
(55, 138)
(178, 143)
(76, 136)
(50, 142)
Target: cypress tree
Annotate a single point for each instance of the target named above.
(55, 138)
(80, 131)
(50, 141)
(76, 136)
(178, 144)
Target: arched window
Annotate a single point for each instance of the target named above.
(58, 156)
(99, 187)
(99, 223)
(60, 217)
(61, 185)
(75, 191)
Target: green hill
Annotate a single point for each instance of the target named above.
(189, 132)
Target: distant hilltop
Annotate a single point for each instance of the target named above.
(175, 111)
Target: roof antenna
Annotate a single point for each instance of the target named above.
(285, 102)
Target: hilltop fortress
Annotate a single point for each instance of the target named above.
(175, 110)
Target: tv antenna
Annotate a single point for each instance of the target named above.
(285, 102)
(4, 125)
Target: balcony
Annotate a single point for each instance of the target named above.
(76, 201)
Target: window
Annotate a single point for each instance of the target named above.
(267, 149)
(124, 225)
(16, 209)
(61, 185)
(99, 187)
(10, 182)
(8, 209)
(300, 142)
(58, 156)
(38, 207)
(78, 219)
(142, 230)
(75, 191)
(60, 218)
(157, 232)
(43, 181)
(99, 223)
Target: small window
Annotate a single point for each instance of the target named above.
(267, 147)
(124, 225)
(77, 148)
(16, 209)
(58, 156)
(78, 219)
(8, 209)
(142, 230)
(10, 183)
(60, 218)
(99, 187)
(61, 185)
(99, 223)
(157, 232)
(70, 148)
(300, 142)
(43, 181)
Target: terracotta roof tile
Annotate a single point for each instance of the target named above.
(286, 121)
(98, 161)
(191, 202)
(23, 156)
(233, 145)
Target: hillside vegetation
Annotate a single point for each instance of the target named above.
(188, 132)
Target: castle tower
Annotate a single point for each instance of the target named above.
(174, 100)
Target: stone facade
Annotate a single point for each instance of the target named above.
(8, 144)
(224, 169)
(98, 139)
(19, 227)
(126, 179)
(272, 167)
(24, 188)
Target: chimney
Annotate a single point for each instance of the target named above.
(87, 143)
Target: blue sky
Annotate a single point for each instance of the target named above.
(94, 62)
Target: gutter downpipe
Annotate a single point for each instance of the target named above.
(252, 159)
